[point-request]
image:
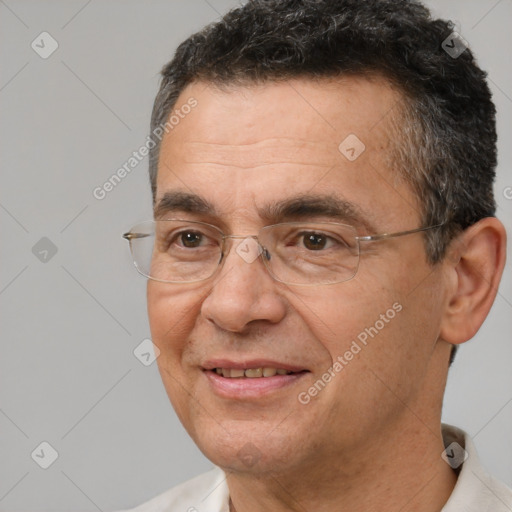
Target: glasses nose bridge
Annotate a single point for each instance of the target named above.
(240, 236)
(226, 250)
(237, 237)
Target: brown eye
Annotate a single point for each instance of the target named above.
(190, 239)
(314, 241)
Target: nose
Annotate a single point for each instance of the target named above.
(243, 292)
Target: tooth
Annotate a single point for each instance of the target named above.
(250, 372)
(254, 372)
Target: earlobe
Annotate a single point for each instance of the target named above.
(476, 265)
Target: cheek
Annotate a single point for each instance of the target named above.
(347, 312)
(369, 331)
(172, 313)
(361, 330)
(172, 316)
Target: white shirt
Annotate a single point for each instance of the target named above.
(475, 490)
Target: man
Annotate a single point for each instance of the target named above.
(324, 238)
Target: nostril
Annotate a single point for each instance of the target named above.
(266, 253)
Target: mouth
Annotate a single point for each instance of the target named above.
(253, 379)
(251, 373)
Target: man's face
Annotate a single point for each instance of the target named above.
(242, 150)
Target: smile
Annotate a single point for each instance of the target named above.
(251, 373)
(252, 380)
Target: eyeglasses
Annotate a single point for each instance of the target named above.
(295, 253)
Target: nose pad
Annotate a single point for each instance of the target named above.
(263, 251)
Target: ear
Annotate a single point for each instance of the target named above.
(475, 262)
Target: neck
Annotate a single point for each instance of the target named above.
(402, 469)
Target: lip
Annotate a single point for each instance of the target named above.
(250, 388)
(245, 388)
(250, 363)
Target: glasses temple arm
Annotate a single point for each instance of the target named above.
(385, 236)
(132, 236)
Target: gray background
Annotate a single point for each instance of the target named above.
(70, 324)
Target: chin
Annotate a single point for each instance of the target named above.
(235, 448)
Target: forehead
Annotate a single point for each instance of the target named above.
(316, 112)
(244, 146)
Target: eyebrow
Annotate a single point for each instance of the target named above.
(298, 207)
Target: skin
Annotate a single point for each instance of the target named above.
(371, 439)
